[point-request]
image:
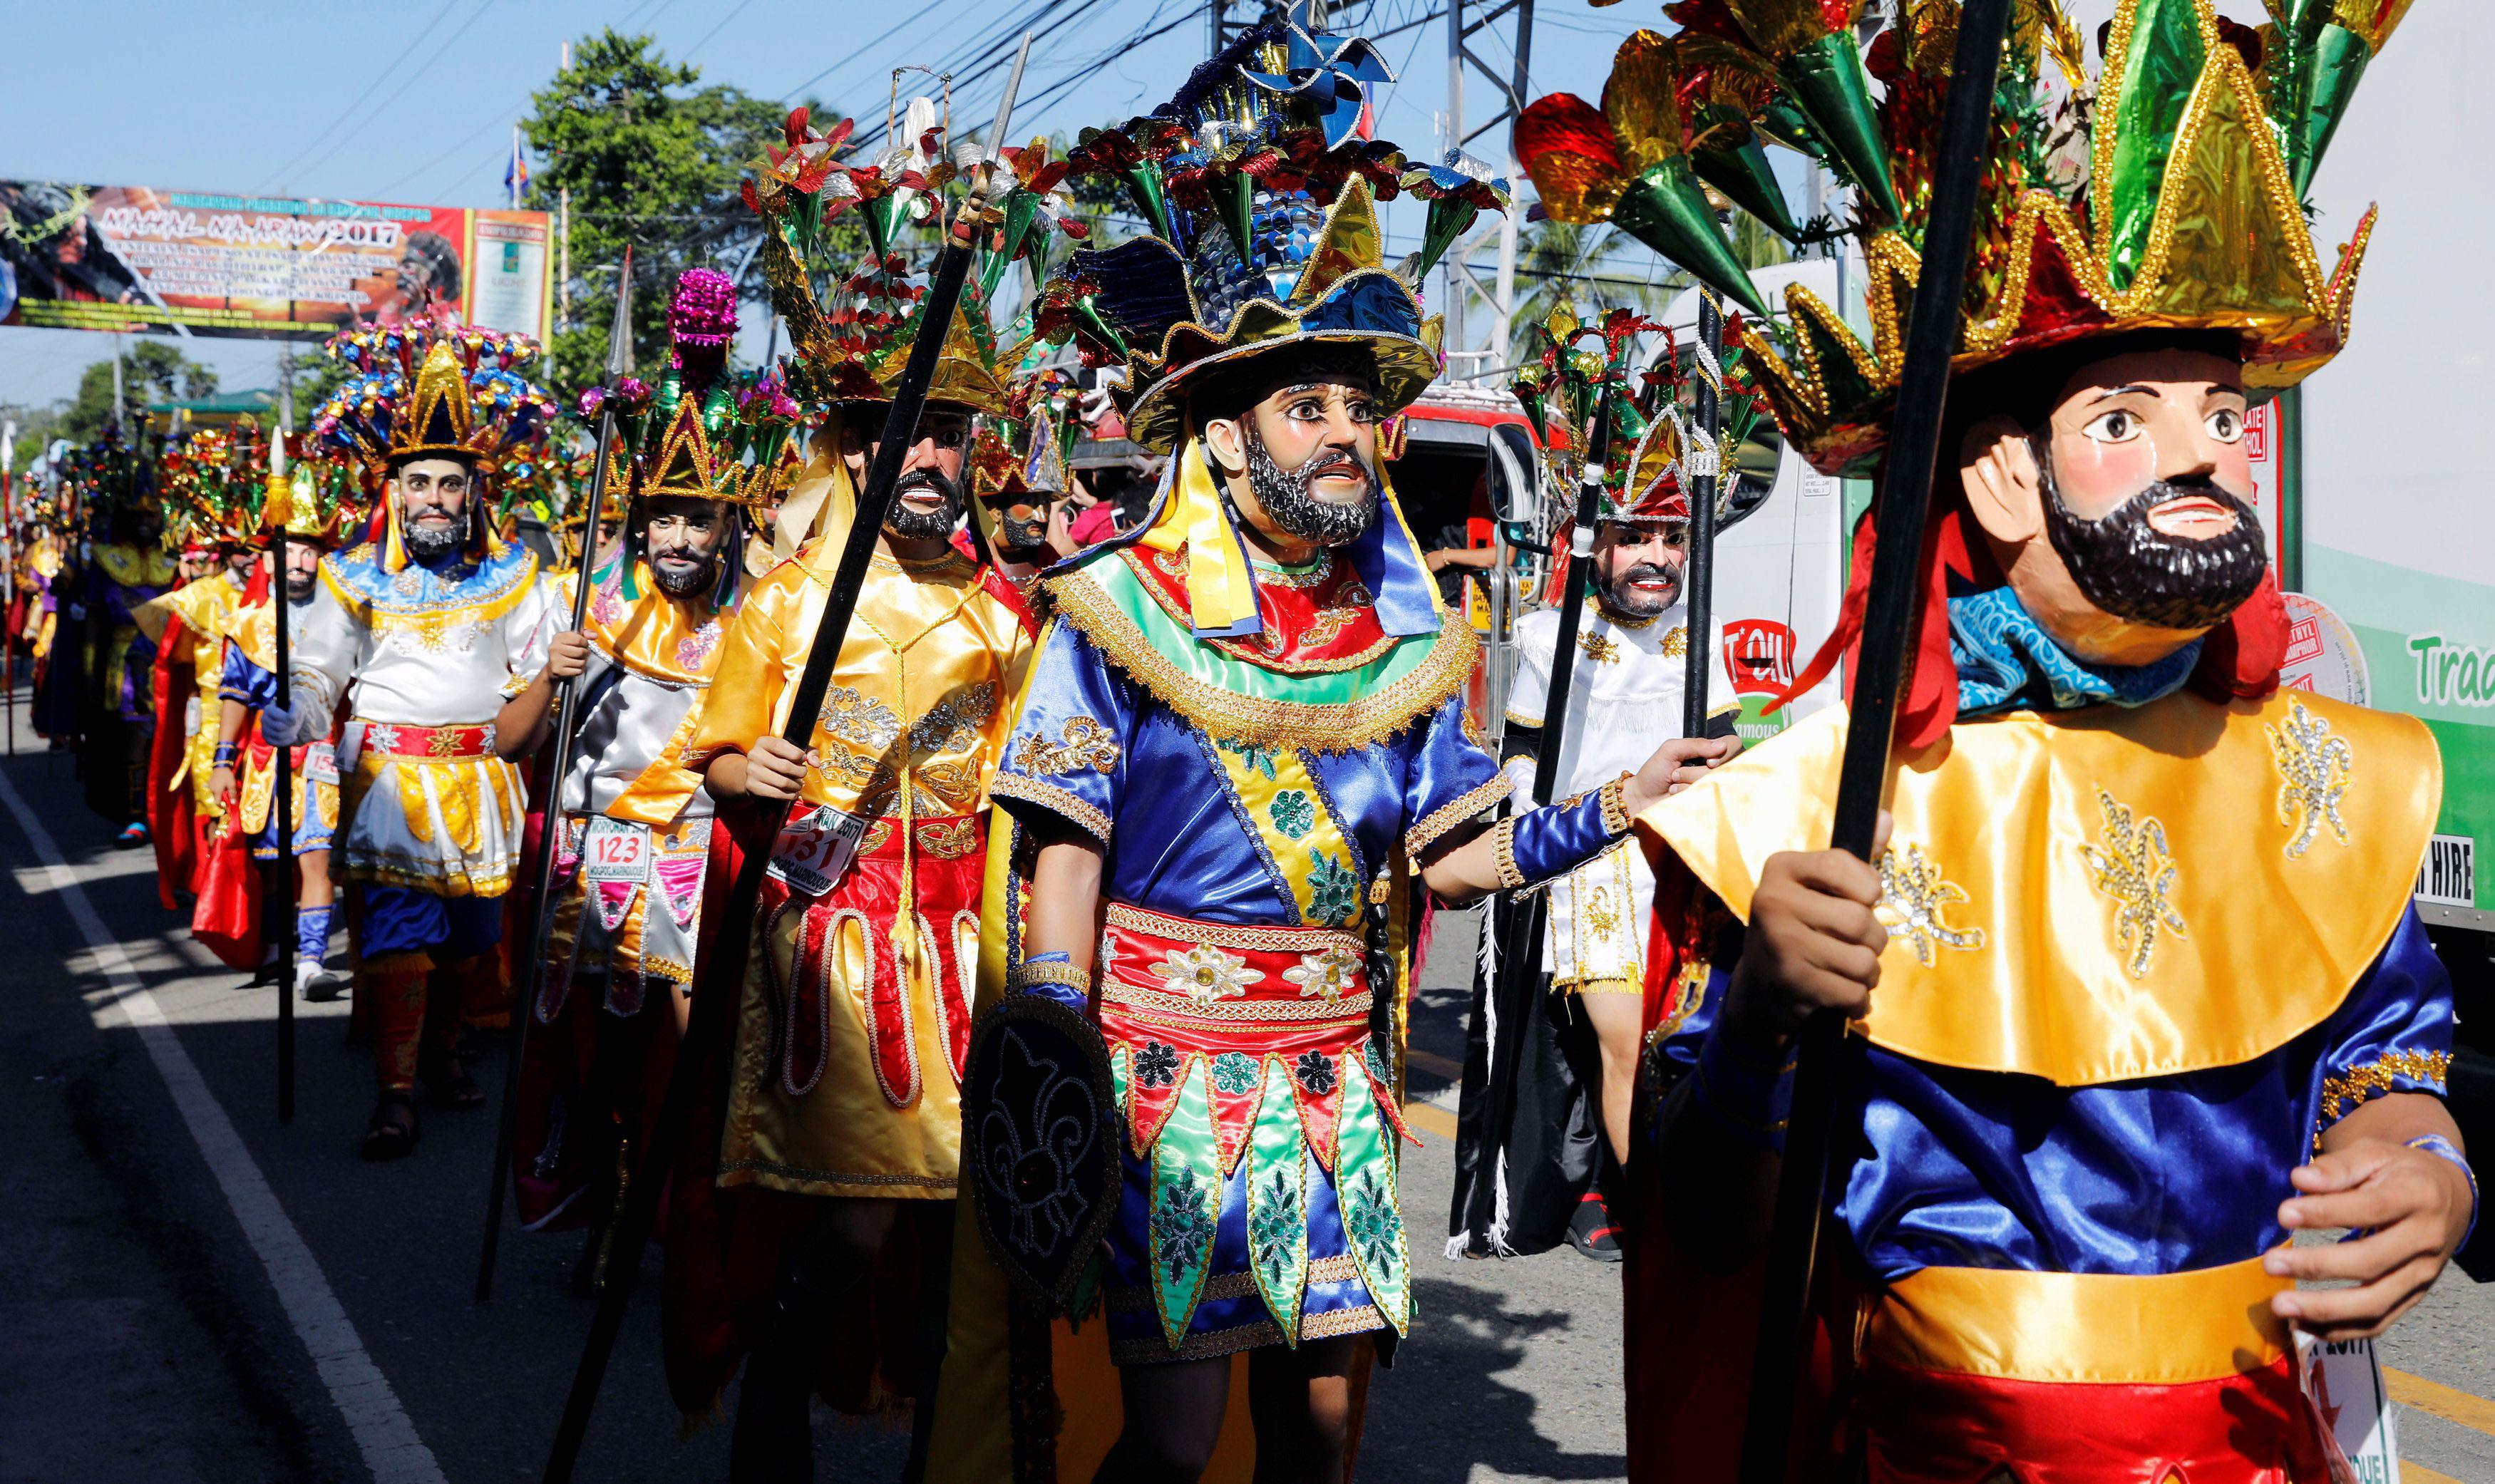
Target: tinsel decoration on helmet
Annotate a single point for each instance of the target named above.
(432, 387)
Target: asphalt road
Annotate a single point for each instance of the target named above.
(192, 1290)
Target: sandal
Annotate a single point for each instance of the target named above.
(451, 1086)
(391, 1133)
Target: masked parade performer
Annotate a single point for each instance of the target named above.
(206, 481)
(636, 822)
(419, 633)
(1023, 477)
(127, 566)
(318, 501)
(2150, 997)
(1242, 746)
(1577, 1072)
(809, 1226)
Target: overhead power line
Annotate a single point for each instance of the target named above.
(408, 80)
(356, 104)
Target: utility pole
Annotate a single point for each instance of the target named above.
(1466, 20)
(285, 390)
(120, 403)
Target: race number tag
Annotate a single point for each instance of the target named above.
(2343, 1379)
(816, 848)
(321, 763)
(616, 851)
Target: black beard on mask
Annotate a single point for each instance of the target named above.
(1014, 534)
(426, 543)
(299, 589)
(1288, 499)
(929, 525)
(686, 581)
(1622, 597)
(2135, 572)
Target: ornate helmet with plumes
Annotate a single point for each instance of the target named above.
(2164, 193)
(431, 387)
(1260, 189)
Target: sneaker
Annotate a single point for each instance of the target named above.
(133, 833)
(317, 984)
(1592, 1232)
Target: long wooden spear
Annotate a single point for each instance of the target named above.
(1891, 612)
(1698, 573)
(720, 980)
(566, 737)
(279, 505)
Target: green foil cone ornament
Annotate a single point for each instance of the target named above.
(1827, 83)
(1666, 208)
(1749, 182)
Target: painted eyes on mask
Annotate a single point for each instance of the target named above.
(1363, 410)
(2117, 425)
(2111, 428)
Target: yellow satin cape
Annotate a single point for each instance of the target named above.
(2262, 851)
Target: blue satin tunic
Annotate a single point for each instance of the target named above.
(1955, 1168)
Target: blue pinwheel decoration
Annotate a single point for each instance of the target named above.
(1328, 75)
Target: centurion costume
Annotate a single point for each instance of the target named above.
(422, 651)
(637, 824)
(2149, 929)
(1261, 754)
(854, 1016)
(209, 481)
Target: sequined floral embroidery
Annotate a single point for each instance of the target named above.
(2139, 873)
(1324, 976)
(868, 726)
(1237, 1073)
(1157, 1063)
(1205, 973)
(2313, 773)
(1913, 902)
(1293, 813)
(1180, 1230)
(1334, 891)
(696, 647)
(1314, 1070)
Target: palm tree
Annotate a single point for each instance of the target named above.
(1586, 267)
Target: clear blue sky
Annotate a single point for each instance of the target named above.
(415, 101)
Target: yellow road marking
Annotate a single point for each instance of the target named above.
(2475, 1412)
(1434, 1064)
(1429, 1118)
(2420, 1473)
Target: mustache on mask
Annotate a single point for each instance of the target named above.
(1289, 499)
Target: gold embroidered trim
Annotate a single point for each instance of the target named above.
(1446, 816)
(1227, 935)
(1048, 796)
(1328, 726)
(1087, 744)
(2343, 1093)
(1503, 851)
(1139, 1004)
(1049, 972)
(1341, 1268)
(1614, 805)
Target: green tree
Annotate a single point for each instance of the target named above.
(652, 159)
(152, 371)
(1593, 268)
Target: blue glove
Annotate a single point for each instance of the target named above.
(278, 724)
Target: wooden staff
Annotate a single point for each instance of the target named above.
(1890, 618)
(1698, 576)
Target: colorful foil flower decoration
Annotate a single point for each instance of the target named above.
(1629, 165)
(1458, 188)
(1325, 79)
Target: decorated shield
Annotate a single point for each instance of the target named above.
(1040, 1124)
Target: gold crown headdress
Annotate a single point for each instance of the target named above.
(2160, 196)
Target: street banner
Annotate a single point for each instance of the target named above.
(139, 258)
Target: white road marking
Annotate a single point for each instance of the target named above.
(382, 1432)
